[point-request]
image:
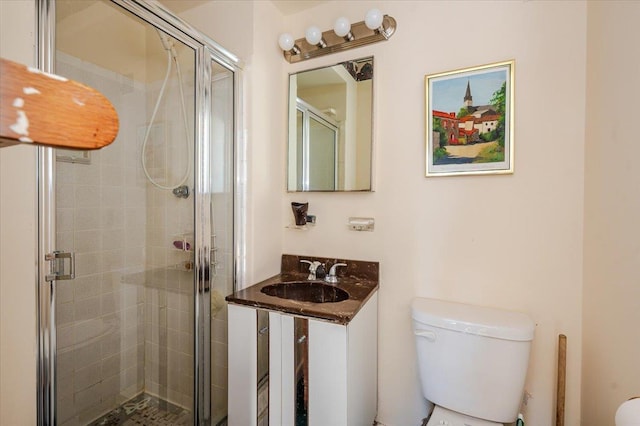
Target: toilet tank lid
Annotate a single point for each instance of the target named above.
(479, 320)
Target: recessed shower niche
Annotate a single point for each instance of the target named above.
(140, 332)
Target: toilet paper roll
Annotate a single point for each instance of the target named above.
(628, 413)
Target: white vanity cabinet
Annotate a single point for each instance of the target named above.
(341, 362)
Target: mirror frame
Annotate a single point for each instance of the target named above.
(291, 118)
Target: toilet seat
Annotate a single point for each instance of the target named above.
(443, 417)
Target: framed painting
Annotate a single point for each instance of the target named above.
(469, 120)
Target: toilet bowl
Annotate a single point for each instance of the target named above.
(472, 361)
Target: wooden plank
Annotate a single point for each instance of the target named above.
(562, 377)
(45, 109)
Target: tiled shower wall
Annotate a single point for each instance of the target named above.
(101, 210)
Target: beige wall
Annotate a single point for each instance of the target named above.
(506, 241)
(611, 347)
(17, 241)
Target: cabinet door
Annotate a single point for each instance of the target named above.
(327, 374)
(362, 369)
(281, 370)
(243, 369)
(343, 370)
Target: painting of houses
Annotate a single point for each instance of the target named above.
(469, 120)
(451, 126)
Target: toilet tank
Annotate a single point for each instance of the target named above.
(472, 359)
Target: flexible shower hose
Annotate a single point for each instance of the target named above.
(171, 57)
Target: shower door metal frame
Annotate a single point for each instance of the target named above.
(206, 51)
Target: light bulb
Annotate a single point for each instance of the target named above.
(342, 26)
(286, 41)
(313, 35)
(373, 19)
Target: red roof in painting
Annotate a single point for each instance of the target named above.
(479, 120)
(442, 114)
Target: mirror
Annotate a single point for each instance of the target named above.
(330, 128)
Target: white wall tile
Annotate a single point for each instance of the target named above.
(86, 286)
(88, 308)
(111, 218)
(87, 376)
(88, 241)
(64, 219)
(87, 196)
(87, 218)
(64, 313)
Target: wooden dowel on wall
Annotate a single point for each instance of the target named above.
(562, 379)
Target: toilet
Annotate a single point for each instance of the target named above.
(472, 361)
(628, 414)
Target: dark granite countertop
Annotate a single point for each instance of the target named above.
(359, 279)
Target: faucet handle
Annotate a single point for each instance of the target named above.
(312, 268)
(331, 277)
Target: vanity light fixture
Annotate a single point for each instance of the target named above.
(373, 20)
(313, 35)
(342, 28)
(288, 44)
(344, 36)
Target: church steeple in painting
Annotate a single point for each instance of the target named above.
(468, 99)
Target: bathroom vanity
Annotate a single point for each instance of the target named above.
(300, 358)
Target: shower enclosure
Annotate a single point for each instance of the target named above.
(139, 242)
(317, 148)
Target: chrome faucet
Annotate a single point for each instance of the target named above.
(331, 277)
(313, 267)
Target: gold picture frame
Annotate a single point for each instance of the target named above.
(469, 120)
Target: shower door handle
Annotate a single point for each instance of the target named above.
(214, 254)
(57, 270)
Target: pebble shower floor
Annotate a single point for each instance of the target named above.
(145, 410)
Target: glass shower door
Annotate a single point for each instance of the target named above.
(125, 326)
(316, 149)
(322, 155)
(221, 161)
(134, 330)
